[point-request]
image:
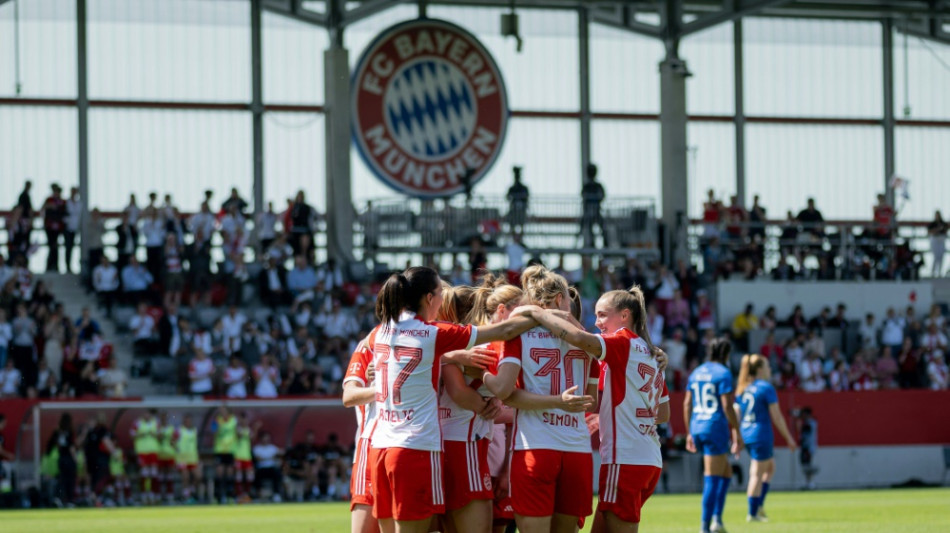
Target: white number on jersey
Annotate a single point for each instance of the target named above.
(704, 398)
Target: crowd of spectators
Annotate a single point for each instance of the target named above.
(43, 352)
(899, 351)
(734, 241)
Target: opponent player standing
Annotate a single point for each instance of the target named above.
(145, 439)
(166, 457)
(635, 400)
(188, 460)
(224, 428)
(758, 409)
(243, 459)
(710, 419)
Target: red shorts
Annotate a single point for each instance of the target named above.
(407, 484)
(502, 512)
(467, 476)
(361, 482)
(148, 459)
(243, 466)
(544, 482)
(192, 467)
(166, 463)
(625, 488)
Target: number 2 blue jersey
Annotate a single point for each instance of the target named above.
(707, 383)
(756, 423)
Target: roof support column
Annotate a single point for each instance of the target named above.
(82, 109)
(888, 71)
(675, 186)
(740, 111)
(257, 107)
(583, 41)
(336, 77)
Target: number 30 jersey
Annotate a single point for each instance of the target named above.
(407, 356)
(707, 383)
(549, 366)
(633, 390)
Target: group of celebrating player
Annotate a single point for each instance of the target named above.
(470, 414)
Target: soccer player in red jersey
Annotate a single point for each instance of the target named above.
(635, 400)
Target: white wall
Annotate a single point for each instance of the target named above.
(860, 297)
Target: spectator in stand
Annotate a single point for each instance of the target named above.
(71, 225)
(772, 351)
(886, 370)
(704, 312)
(6, 336)
(937, 372)
(787, 378)
(136, 280)
(265, 224)
(675, 350)
(200, 270)
(677, 312)
(884, 219)
(908, 364)
(655, 324)
(810, 373)
(331, 275)
(280, 250)
(112, 379)
(742, 324)
(130, 215)
(267, 465)
(23, 348)
(6, 271)
(231, 221)
(712, 213)
(273, 284)
(88, 382)
(153, 227)
(838, 377)
(811, 220)
(200, 372)
(232, 324)
(266, 377)
(815, 343)
(202, 224)
(935, 317)
(592, 195)
(167, 328)
(105, 281)
(517, 197)
(794, 351)
(867, 332)
(93, 230)
(54, 222)
(144, 332)
(914, 328)
(937, 230)
(235, 202)
(235, 378)
(219, 347)
(757, 220)
(862, 372)
(302, 218)
(737, 217)
(301, 345)
(892, 330)
(11, 380)
(820, 322)
(769, 321)
(300, 381)
(173, 275)
(664, 289)
(784, 271)
(337, 326)
(302, 278)
(24, 202)
(126, 241)
(797, 320)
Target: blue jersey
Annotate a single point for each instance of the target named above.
(756, 422)
(707, 383)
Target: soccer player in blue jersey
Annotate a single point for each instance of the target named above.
(757, 405)
(711, 425)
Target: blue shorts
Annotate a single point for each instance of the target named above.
(711, 444)
(761, 451)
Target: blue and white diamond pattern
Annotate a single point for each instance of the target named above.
(430, 109)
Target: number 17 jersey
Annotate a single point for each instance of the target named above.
(549, 366)
(707, 383)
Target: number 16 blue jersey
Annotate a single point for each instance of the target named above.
(707, 383)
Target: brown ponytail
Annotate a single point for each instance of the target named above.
(718, 350)
(492, 292)
(748, 370)
(404, 291)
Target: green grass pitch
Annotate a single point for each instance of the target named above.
(871, 511)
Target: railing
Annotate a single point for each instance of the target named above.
(852, 248)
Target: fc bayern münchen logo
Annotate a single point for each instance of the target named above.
(429, 108)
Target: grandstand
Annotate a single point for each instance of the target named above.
(194, 218)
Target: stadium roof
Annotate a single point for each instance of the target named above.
(929, 19)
